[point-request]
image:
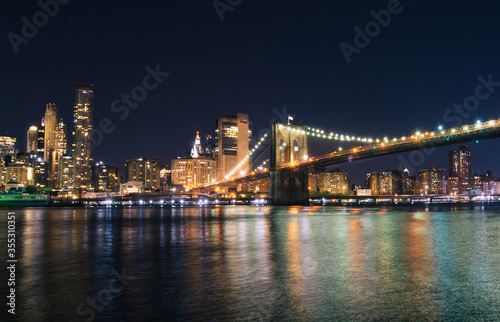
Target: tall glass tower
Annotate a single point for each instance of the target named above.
(83, 146)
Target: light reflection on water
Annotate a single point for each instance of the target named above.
(259, 263)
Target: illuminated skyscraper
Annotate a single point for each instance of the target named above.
(83, 147)
(461, 167)
(32, 139)
(234, 138)
(7, 146)
(41, 139)
(55, 144)
(51, 125)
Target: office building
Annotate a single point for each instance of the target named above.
(83, 146)
(388, 182)
(452, 186)
(334, 183)
(67, 173)
(145, 171)
(106, 178)
(210, 144)
(409, 183)
(431, 181)
(8, 147)
(193, 172)
(461, 167)
(55, 143)
(32, 139)
(233, 141)
(21, 174)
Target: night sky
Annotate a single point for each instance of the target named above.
(264, 55)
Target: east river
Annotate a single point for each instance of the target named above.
(249, 263)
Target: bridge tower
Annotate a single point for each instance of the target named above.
(288, 186)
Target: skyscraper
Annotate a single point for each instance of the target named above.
(32, 139)
(234, 138)
(461, 167)
(55, 144)
(83, 147)
(51, 121)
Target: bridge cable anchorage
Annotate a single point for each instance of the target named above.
(248, 156)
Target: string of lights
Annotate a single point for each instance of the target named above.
(244, 161)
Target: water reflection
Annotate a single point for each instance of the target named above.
(260, 263)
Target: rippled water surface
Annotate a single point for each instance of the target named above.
(255, 263)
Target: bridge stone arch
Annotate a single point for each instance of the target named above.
(288, 186)
(289, 143)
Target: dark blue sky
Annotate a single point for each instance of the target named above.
(263, 56)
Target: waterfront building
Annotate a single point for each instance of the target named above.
(83, 146)
(8, 147)
(132, 187)
(195, 170)
(409, 183)
(452, 186)
(145, 171)
(233, 142)
(106, 178)
(165, 178)
(334, 183)
(22, 174)
(388, 182)
(431, 181)
(67, 173)
(460, 163)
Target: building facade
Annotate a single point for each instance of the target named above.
(233, 142)
(193, 172)
(106, 178)
(32, 139)
(334, 183)
(145, 171)
(83, 145)
(8, 147)
(460, 163)
(431, 181)
(55, 144)
(387, 182)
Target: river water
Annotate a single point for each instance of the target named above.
(248, 263)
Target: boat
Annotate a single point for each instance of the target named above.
(23, 200)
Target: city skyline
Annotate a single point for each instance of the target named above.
(239, 66)
(199, 147)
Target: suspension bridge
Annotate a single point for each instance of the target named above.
(289, 163)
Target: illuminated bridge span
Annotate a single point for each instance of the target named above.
(290, 163)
